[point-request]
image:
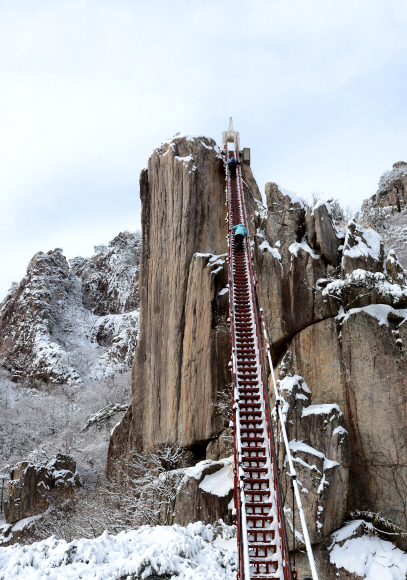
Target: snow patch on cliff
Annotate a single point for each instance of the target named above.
(293, 196)
(296, 246)
(221, 482)
(379, 311)
(367, 242)
(323, 409)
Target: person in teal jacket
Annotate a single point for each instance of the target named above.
(240, 234)
(232, 167)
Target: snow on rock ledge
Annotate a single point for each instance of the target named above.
(29, 485)
(207, 490)
(363, 248)
(320, 450)
(367, 555)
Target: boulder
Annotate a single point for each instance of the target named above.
(30, 486)
(206, 493)
(363, 249)
(356, 550)
(327, 240)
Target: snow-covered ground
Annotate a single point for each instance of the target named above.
(197, 551)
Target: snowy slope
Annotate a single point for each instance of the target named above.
(68, 322)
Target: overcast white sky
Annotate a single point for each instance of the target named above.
(88, 88)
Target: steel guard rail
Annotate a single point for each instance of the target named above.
(260, 522)
(259, 312)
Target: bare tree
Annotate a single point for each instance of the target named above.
(152, 483)
(147, 495)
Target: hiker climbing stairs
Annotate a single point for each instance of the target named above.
(261, 534)
(263, 550)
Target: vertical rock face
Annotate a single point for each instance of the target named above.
(288, 267)
(393, 188)
(205, 352)
(375, 366)
(180, 364)
(120, 447)
(337, 305)
(322, 234)
(320, 449)
(360, 365)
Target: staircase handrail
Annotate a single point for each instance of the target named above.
(239, 495)
(293, 473)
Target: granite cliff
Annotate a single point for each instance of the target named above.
(335, 302)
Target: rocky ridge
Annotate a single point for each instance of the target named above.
(347, 338)
(69, 322)
(392, 189)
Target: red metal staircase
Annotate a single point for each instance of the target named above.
(262, 539)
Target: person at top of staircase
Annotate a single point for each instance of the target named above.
(240, 234)
(232, 167)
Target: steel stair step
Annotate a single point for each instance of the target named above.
(263, 542)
